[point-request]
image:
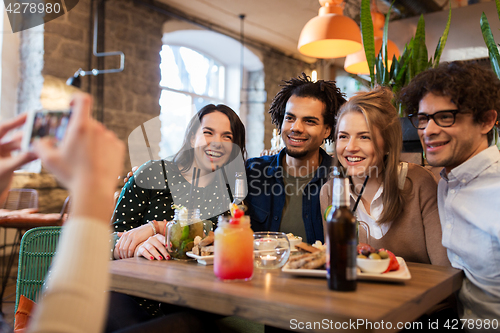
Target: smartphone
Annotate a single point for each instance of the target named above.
(43, 123)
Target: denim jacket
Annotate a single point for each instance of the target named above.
(266, 195)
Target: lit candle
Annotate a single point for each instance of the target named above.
(268, 260)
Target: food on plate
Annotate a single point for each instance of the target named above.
(309, 257)
(207, 240)
(366, 251)
(294, 240)
(308, 260)
(292, 236)
(394, 264)
(306, 247)
(319, 245)
(204, 246)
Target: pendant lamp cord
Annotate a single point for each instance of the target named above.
(242, 41)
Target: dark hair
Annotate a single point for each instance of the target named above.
(302, 86)
(185, 156)
(470, 87)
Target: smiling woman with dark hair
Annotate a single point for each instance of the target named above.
(215, 136)
(185, 156)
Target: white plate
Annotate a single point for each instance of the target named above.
(203, 260)
(402, 274)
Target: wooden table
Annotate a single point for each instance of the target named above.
(277, 299)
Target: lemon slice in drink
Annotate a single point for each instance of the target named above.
(327, 211)
(232, 208)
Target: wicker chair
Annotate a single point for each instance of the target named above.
(38, 246)
(21, 218)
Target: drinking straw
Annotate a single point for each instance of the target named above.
(146, 141)
(359, 196)
(191, 188)
(227, 185)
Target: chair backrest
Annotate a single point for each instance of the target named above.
(38, 246)
(21, 198)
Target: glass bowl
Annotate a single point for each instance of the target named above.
(271, 249)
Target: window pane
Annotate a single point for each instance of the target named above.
(174, 116)
(197, 69)
(190, 71)
(202, 80)
(170, 72)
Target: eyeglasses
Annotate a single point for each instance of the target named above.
(445, 118)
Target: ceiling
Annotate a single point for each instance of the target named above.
(278, 23)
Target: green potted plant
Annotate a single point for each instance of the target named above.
(493, 54)
(413, 60)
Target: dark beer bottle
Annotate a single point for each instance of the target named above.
(341, 238)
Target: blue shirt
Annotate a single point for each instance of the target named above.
(266, 194)
(469, 207)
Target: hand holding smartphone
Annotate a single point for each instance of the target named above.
(43, 123)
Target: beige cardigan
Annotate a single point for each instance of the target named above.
(416, 234)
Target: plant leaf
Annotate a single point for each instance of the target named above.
(392, 71)
(498, 8)
(402, 69)
(380, 70)
(385, 37)
(420, 58)
(491, 45)
(368, 38)
(443, 39)
(423, 58)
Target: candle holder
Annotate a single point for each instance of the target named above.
(271, 249)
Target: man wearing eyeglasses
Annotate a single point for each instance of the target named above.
(455, 107)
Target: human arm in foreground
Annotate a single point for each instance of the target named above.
(87, 162)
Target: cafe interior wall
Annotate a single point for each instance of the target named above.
(465, 41)
(62, 46)
(130, 97)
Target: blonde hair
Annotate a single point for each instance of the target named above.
(377, 108)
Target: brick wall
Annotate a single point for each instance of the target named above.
(60, 47)
(130, 97)
(278, 68)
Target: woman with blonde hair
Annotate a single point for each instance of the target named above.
(398, 200)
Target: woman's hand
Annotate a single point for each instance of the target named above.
(10, 163)
(87, 162)
(129, 174)
(129, 240)
(153, 248)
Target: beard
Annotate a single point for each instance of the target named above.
(296, 153)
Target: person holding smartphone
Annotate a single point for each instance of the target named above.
(87, 162)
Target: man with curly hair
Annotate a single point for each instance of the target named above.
(455, 107)
(283, 189)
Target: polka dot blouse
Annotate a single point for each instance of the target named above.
(155, 186)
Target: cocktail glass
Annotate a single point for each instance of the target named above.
(233, 250)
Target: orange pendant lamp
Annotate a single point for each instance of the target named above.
(330, 34)
(356, 63)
